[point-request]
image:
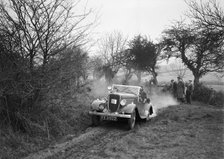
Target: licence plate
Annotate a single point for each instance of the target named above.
(113, 101)
(112, 118)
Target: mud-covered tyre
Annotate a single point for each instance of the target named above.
(95, 120)
(132, 120)
(147, 118)
(151, 110)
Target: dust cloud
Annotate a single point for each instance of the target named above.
(99, 89)
(161, 100)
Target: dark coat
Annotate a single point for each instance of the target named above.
(180, 89)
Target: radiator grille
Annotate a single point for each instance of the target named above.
(114, 102)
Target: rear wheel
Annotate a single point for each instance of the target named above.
(95, 120)
(148, 117)
(131, 121)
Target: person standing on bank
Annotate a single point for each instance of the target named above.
(173, 88)
(189, 91)
(180, 90)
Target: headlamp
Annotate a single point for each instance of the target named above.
(123, 102)
(101, 106)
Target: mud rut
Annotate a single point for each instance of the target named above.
(94, 146)
(91, 144)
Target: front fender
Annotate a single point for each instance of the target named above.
(95, 104)
(129, 108)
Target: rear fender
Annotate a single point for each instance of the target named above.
(144, 110)
(129, 108)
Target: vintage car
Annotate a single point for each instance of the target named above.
(123, 101)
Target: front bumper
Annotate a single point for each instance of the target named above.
(110, 114)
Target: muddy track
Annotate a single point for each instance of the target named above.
(178, 132)
(94, 145)
(90, 144)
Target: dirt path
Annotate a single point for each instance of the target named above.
(184, 131)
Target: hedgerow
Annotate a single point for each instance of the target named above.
(208, 95)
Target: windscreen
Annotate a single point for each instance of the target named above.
(126, 89)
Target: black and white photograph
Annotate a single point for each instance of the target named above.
(111, 79)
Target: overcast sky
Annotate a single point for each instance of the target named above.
(131, 17)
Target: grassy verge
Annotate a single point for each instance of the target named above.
(70, 116)
(180, 131)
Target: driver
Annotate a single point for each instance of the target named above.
(142, 95)
(115, 90)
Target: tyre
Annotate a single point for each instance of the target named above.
(151, 110)
(131, 121)
(150, 113)
(95, 120)
(147, 118)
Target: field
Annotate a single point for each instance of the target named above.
(217, 87)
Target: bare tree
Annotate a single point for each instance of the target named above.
(34, 35)
(208, 14)
(44, 27)
(95, 64)
(111, 50)
(73, 68)
(200, 50)
(201, 44)
(177, 69)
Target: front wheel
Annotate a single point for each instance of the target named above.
(95, 120)
(131, 121)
